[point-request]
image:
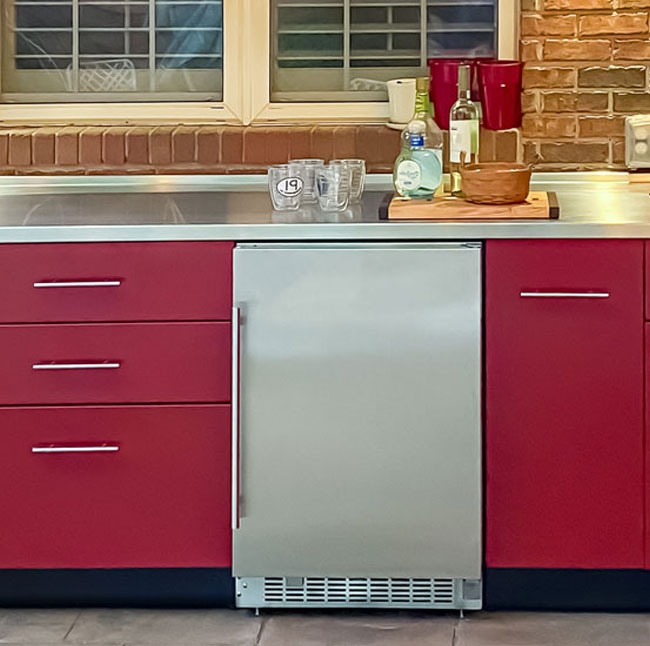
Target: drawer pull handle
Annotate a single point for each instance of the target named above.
(78, 283)
(564, 294)
(77, 366)
(99, 448)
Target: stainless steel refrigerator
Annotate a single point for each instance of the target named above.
(357, 425)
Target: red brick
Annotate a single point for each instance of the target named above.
(579, 153)
(114, 146)
(160, 146)
(601, 126)
(184, 145)
(507, 145)
(232, 146)
(581, 50)
(549, 77)
(345, 142)
(20, 147)
(67, 147)
(4, 147)
(322, 142)
(577, 5)
(613, 76)
(529, 102)
(632, 50)
(553, 25)
(90, 146)
(43, 146)
(300, 143)
(530, 50)
(575, 102)
(619, 24)
(632, 102)
(137, 146)
(548, 127)
(208, 144)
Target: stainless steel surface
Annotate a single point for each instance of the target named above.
(77, 283)
(359, 410)
(564, 294)
(76, 366)
(101, 448)
(316, 592)
(70, 209)
(235, 419)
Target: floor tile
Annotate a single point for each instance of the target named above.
(26, 626)
(169, 627)
(357, 629)
(553, 629)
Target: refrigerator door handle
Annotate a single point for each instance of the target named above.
(236, 322)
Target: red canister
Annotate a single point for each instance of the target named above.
(443, 87)
(500, 84)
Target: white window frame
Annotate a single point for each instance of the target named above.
(247, 85)
(230, 110)
(262, 109)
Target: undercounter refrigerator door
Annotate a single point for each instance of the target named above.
(357, 410)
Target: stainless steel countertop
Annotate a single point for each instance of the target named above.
(70, 209)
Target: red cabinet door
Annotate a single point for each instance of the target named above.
(101, 363)
(564, 404)
(106, 487)
(115, 281)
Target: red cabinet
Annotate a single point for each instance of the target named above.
(87, 484)
(117, 364)
(564, 404)
(133, 281)
(141, 486)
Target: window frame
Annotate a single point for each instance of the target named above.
(247, 55)
(262, 109)
(230, 110)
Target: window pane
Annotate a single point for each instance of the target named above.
(107, 50)
(345, 50)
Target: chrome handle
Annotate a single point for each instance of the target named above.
(78, 283)
(564, 294)
(77, 366)
(235, 418)
(99, 448)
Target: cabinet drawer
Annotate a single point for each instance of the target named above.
(131, 281)
(105, 487)
(115, 363)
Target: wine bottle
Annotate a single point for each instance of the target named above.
(463, 130)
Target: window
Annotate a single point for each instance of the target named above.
(108, 50)
(230, 60)
(345, 50)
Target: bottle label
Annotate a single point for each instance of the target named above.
(409, 175)
(463, 138)
(417, 141)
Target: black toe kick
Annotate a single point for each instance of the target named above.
(131, 587)
(551, 589)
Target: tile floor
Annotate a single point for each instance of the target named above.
(241, 628)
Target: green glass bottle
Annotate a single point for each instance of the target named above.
(418, 168)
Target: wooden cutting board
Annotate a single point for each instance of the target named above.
(540, 205)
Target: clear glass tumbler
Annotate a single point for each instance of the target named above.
(333, 184)
(306, 170)
(285, 187)
(357, 168)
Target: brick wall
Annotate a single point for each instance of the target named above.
(586, 68)
(118, 150)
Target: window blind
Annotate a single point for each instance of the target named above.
(348, 48)
(113, 47)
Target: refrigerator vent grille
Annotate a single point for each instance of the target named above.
(432, 592)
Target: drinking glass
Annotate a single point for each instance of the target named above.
(357, 168)
(333, 184)
(306, 170)
(285, 187)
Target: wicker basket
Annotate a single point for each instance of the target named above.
(496, 182)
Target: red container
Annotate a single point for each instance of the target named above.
(500, 84)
